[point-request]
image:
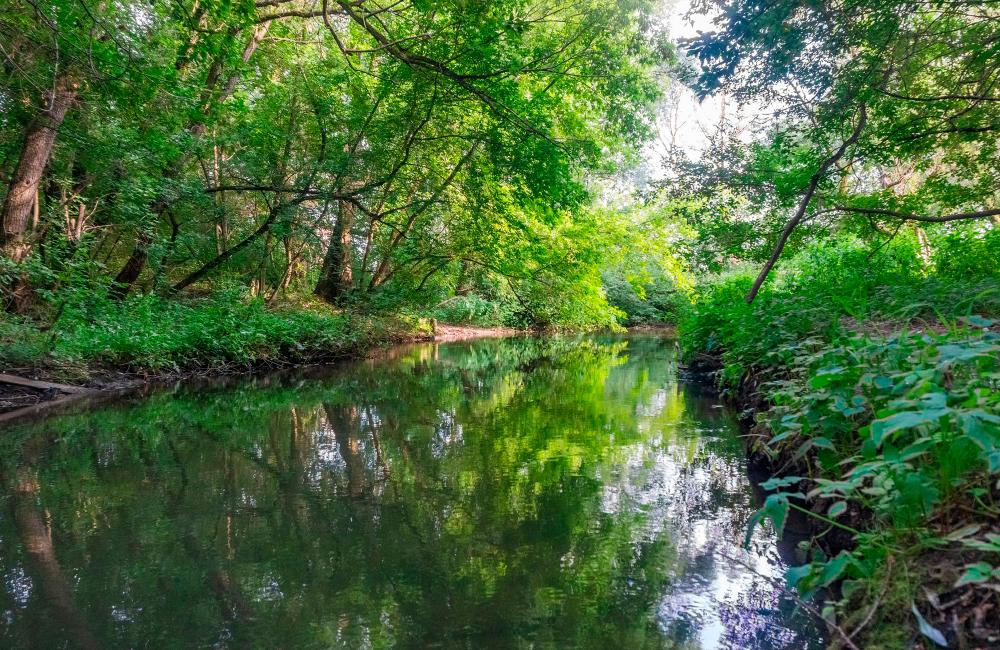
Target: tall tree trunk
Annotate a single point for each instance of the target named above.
(336, 279)
(221, 223)
(22, 194)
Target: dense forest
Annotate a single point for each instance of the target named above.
(209, 185)
(391, 157)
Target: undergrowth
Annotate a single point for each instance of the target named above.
(884, 426)
(151, 334)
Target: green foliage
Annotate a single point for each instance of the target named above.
(21, 343)
(239, 144)
(968, 253)
(882, 386)
(153, 334)
(472, 309)
(659, 302)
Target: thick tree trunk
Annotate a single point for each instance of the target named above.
(134, 265)
(336, 279)
(22, 194)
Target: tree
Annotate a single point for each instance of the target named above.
(860, 88)
(177, 146)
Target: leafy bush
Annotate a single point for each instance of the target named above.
(824, 292)
(472, 309)
(659, 302)
(968, 253)
(883, 389)
(904, 433)
(848, 272)
(21, 343)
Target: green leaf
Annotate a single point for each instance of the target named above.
(837, 509)
(883, 383)
(776, 483)
(962, 533)
(775, 508)
(905, 420)
(795, 575)
(978, 321)
(990, 546)
(934, 401)
(826, 376)
(833, 569)
(975, 573)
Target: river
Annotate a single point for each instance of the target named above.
(513, 493)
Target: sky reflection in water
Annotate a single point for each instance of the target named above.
(564, 492)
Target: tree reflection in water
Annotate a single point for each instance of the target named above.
(509, 493)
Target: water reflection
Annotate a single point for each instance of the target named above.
(518, 493)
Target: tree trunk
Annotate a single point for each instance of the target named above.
(221, 223)
(134, 265)
(336, 279)
(22, 194)
(926, 251)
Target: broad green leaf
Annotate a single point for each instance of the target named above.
(905, 420)
(834, 568)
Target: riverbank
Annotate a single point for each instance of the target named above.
(874, 402)
(44, 366)
(107, 346)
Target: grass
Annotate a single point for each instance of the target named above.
(148, 334)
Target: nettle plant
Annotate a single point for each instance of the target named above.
(890, 432)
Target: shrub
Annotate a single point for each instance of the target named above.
(882, 382)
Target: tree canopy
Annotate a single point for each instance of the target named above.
(884, 111)
(352, 148)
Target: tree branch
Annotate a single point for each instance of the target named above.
(909, 216)
(800, 212)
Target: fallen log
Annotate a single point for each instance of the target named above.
(41, 385)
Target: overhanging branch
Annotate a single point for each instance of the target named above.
(803, 206)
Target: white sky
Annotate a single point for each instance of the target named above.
(688, 121)
(683, 120)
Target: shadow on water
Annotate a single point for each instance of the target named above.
(524, 492)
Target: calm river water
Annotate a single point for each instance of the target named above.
(516, 493)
